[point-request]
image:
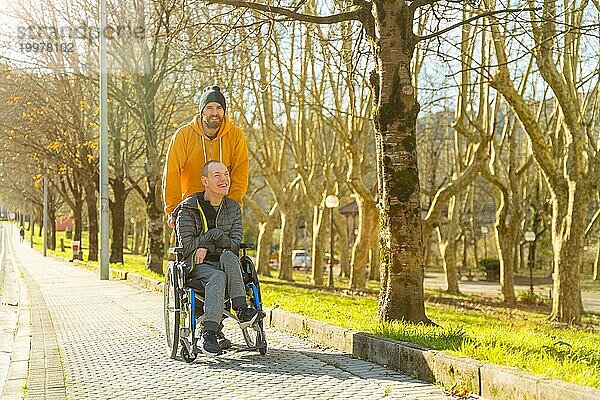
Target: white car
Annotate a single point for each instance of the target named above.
(301, 259)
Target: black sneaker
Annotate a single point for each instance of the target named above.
(248, 315)
(224, 343)
(209, 344)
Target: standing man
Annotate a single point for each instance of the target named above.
(209, 136)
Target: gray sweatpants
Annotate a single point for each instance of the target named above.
(216, 278)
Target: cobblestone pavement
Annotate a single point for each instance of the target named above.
(95, 339)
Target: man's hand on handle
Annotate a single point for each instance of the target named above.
(170, 222)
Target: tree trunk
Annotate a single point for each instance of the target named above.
(144, 241)
(287, 238)
(374, 260)
(360, 251)
(595, 275)
(117, 211)
(568, 234)
(51, 222)
(448, 253)
(318, 240)
(341, 227)
(78, 219)
(92, 210)
(154, 226)
(137, 237)
(126, 232)
(265, 238)
(395, 115)
(506, 239)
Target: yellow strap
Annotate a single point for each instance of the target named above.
(204, 221)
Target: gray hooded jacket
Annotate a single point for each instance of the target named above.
(192, 228)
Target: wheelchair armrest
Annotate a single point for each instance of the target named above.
(247, 245)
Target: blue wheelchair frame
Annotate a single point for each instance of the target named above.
(180, 307)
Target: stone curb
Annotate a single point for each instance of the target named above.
(17, 368)
(490, 381)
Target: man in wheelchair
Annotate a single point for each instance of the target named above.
(208, 226)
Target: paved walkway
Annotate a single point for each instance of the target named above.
(93, 339)
(437, 280)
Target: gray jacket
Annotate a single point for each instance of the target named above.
(192, 232)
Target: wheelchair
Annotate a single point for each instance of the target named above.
(180, 307)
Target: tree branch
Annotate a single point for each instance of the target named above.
(469, 20)
(354, 15)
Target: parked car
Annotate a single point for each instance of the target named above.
(301, 259)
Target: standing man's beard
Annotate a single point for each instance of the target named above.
(213, 123)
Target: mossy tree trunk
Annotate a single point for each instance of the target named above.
(389, 27)
(395, 116)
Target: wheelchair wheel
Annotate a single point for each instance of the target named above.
(187, 357)
(172, 309)
(255, 338)
(255, 335)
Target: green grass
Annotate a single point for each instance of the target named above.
(470, 326)
(132, 262)
(492, 333)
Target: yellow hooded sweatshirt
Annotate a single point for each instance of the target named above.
(189, 149)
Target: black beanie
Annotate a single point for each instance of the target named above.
(210, 94)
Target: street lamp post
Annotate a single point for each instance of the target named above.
(530, 238)
(331, 202)
(45, 216)
(484, 231)
(104, 203)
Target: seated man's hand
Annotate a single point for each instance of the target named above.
(199, 255)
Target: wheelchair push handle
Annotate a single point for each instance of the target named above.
(175, 250)
(245, 246)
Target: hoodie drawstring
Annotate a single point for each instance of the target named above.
(211, 142)
(203, 148)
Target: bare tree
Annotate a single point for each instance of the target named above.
(565, 147)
